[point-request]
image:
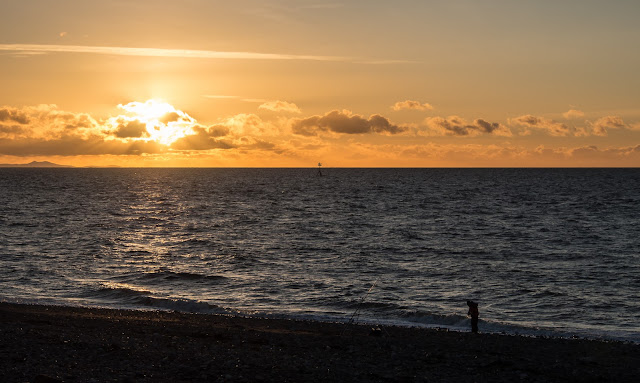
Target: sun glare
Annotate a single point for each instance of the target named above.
(150, 110)
(164, 123)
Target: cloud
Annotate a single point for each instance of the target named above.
(458, 126)
(344, 122)
(242, 125)
(159, 132)
(203, 139)
(131, 129)
(554, 128)
(156, 52)
(47, 122)
(476, 155)
(10, 131)
(173, 117)
(73, 145)
(280, 106)
(8, 113)
(603, 124)
(152, 119)
(411, 105)
(47, 130)
(573, 114)
(150, 127)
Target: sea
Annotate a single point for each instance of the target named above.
(544, 252)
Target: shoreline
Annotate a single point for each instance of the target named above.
(73, 344)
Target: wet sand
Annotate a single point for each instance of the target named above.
(47, 343)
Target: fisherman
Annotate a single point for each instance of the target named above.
(473, 313)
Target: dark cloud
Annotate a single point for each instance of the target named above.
(486, 127)
(380, 124)
(204, 139)
(218, 130)
(131, 129)
(13, 114)
(529, 120)
(458, 126)
(11, 129)
(344, 122)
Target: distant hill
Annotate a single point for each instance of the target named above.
(35, 164)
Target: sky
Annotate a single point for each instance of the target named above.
(291, 83)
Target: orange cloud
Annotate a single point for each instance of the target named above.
(280, 106)
(9, 114)
(474, 155)
(411, 105)
(169, 136)
(344, 122)
(203, 139)
(573, 114)
(552, 127)
(47, 130)
(45, 122)
(602, 125)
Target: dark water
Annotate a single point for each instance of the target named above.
(544, 251)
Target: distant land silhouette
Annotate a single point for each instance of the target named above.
(35, 164)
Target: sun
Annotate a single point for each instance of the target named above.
(150, 110)
(164, 123)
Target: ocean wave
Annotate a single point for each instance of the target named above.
(135, 297)
(183, 305)
(180, 275)
(118, 291)
(429, 319)
(167, 276)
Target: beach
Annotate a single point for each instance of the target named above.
(53, 343)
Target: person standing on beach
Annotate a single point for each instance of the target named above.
(473, 313)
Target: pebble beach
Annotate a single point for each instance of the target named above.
(68, 344)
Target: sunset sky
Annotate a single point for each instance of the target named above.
(352, 83)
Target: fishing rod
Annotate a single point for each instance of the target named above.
(362, 299)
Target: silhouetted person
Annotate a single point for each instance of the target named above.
(473, 313)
